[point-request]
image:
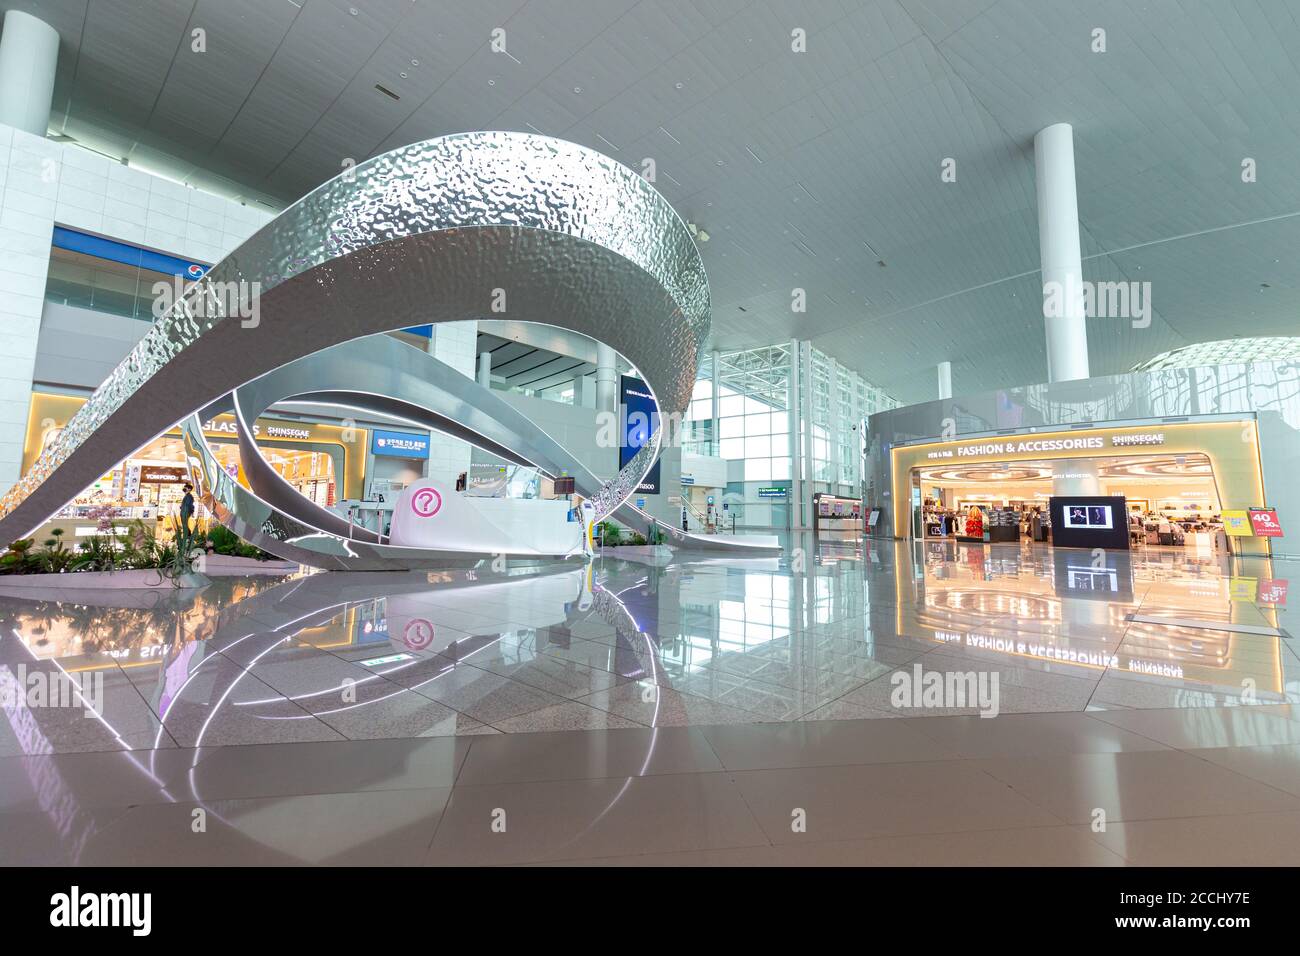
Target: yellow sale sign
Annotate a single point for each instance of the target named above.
(1237, 523)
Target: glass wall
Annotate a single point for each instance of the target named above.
(102, 284)
(753, 421)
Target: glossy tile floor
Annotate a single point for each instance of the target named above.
(712, 712)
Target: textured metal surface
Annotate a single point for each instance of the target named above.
(289, 537)
(434, 232)
(380, 375)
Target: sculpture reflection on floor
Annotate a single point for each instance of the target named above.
(434, 232)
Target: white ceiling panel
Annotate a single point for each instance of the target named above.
(806, 169)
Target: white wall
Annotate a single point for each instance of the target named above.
(79, 348)
(708, 472)
(43, 183)
(573, 427)
(455, 344)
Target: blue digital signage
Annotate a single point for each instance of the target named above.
(640, 421)
(399, 444)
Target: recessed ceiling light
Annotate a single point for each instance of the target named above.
(353, 10)
(577, 89)
(402, 75)
(415, 63)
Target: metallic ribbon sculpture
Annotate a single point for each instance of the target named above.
(458, 227)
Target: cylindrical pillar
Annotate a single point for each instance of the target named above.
(606, 379)
(945, 380)
(29, 53)
(806, 414)
(1075, 477)
(485, 369)
(1058, 250)
(833, 427)
(795, 423)
(715, 439)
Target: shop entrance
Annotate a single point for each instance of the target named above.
(1172, 500)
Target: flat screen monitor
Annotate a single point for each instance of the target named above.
(1089, 521)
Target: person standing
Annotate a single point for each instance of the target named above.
(187, 508)
(187, 512)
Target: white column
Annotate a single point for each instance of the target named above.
(835, 426)
(945, 380)
(792, 404)
(29, 52)
(715, 444)
(606, 379)
(1077, 476)
(1058, 249)
(456, 344)
(806, 413)
(485, 369)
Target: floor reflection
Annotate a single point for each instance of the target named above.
(628, 642)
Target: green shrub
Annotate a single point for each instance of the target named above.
(225, 541)
(19, 559)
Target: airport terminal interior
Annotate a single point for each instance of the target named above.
(649, 433)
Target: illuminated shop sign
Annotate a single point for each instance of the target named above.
(281, 431)
(230, 427)
(1034, 446)
(399, 444)
(1149, 438)
(156, 475)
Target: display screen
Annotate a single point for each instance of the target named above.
(640, 422)
(1092, 517)
(399, 444)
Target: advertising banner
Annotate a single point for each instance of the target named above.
(1265, 523)
(640, 422)
(1237, 524)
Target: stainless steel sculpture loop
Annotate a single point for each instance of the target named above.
(478, 224)
(379, 376)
